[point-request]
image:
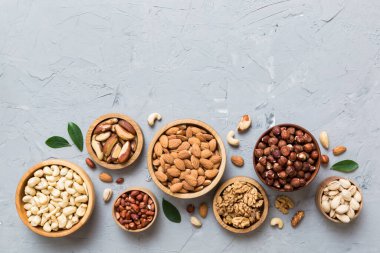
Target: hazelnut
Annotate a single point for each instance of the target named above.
(258, 152)
(282, 181)
(310, 161)
(298, 165)
(276, 153)
(299, 133)
(269, 181)
(289, 163)
(302, 156)
(308, 147)
(281, 143)
(291, 130)
(271, 159)
(285, 135)
(190, 208)
(261, 145)
(269, 166)
(276, 184)
(269, 174)
(291, 139)
(298, 148)
(263, 160)
(272, 141)
(306, 166)
(267, 151)
(293, 156)
(277, 167)
(300, 173)
(288, 187)
(291, 171)
(299, 139)
(282, 174)
(295, 182)
(325, 159)
(260, 168)
(307, 137)
(276, 130)
(285, 151)
(314, 155)
(265, 139)
(302, 182)
(312, 168)
(307, 176)
(282, 160)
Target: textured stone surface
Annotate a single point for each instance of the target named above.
(315, 63)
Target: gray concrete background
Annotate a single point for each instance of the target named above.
(315, 63)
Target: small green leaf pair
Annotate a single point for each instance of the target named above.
(75, 135)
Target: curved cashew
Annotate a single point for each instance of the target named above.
(231, 139)
(153, 117)
(277, 222)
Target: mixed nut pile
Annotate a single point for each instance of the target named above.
(55, 198)
(286, 158)
(114, 141)
(240, 205)
(134, 210)
(186, 158)
(341, 200)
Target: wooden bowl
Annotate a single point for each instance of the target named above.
(114, 166)
(20, 194)
(317, 165)
(319, 193)
(221, 149)
(150, 194)
(263, 216)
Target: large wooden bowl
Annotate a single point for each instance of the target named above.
(20, 194)
(255, 225)
(221, 149)
(150, 194)
(319, 193)
(317, 165)
(114, 166)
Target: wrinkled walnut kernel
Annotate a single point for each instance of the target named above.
(284, 203)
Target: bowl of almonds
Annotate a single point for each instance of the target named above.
(55, 198)
(186, 158)
(114, 141)
(339, 199)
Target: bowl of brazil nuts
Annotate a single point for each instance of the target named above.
(186, 158)
(240, 205)
(339, 199)
(135, 209)
(286, 157)
(55, 198)
(114, 141)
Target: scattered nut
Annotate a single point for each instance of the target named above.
(107, 194)
(325, 159)
(244, 124)
(232, 140)
(203, 209)
(298, 216)
(196, 222)
(277, 222)
(120, 180)
(90, 163)
(237, 160)
(190, 208)
(284, 203)
(339, 150)
(324, 139)
(153, 117)
(105, 177)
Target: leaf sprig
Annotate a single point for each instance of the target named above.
(75, 134)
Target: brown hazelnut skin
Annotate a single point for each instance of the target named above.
(295, 182)
(276, 130)
(263, 160)
(299, 133)
(270, 174)
(298, 165)
(281, 143)
(312, 168)
(269, 181)
(267, 151)
(276, 153)
(261, 145)
(272, 141)
(277, 167)
(285, 135)
(305, 166)
(300, 174)
(265, 139)
(300, 139)
(288, 187)
(276, 184)
(282, 181)
(260, 168)
(291, 130)
(302, 182)
(308, 147)
(293, 156)
(282, 161)
(190, 208)
(291, 139)
(311, 161)
(285, 151)
(271, 159)
(302, 156)
(307, 137)
(325, 159)
(291, 171)
(314, 155)
(307, 176)
(282, 174)
(298, 148)
(258, 152)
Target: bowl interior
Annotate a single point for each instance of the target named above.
(265, 210)
(319, 193)
(221, 150)
(140, 141)
(317, 165)
(151, 195)
(20, 194)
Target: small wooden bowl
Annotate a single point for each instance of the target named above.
(115, 166)
(317, 165)
(221, 149)
(319, 193)
(150, 194)
(263, 216)
(20, 194)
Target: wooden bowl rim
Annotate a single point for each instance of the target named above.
(20, 194)
(262, 191)
(221, 148)
(318, 197)
(140, 141)
(150, 194)
(317, 166)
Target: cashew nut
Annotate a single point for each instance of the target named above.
(231, 140)
(277, 222)
(153, 117)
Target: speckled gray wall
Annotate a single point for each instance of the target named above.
(315, 63)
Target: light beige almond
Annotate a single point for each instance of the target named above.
(180, 164)
(210, 174)
(164, 141)
(194, 173)
(200, 137)
(184, 154)
(204, 145)
(174, 143)
(176, 187)
(194, 162)
(196, 150)
(200, 180)
(105, 177)
(237, 160)
(206, 153)
(158, 149)
(161, 176)
(196, 130)
(339, 150)
(206, 164)
(199, 188)
(206, 182)
(201, 172)
(173, 172)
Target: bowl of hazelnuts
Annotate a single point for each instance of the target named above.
(286, 157)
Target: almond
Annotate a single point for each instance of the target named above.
(168, 158)
(174, 143)
(212, 145)
(173, 172)
(206, 153)
(172, 130)
(176, 187)
(203, 209)
(184, 146)
(105, 177)
(188, 164)
(164, 141)
(187, 186)
(237, 160)
(191, 180)
(210, 174)
(193, 140)
(184, 154)
(127, 126)
(196, 150)
(194, 162)
(324, 139)
(200, 180)
(189, 132)
(158, 149)
(339, 150)
(179, 164)
(216, 159)
(161, 176)
(206, 164)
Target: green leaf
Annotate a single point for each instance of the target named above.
(170, 211)
(57, 142)
(345, 166)
(76, 135)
